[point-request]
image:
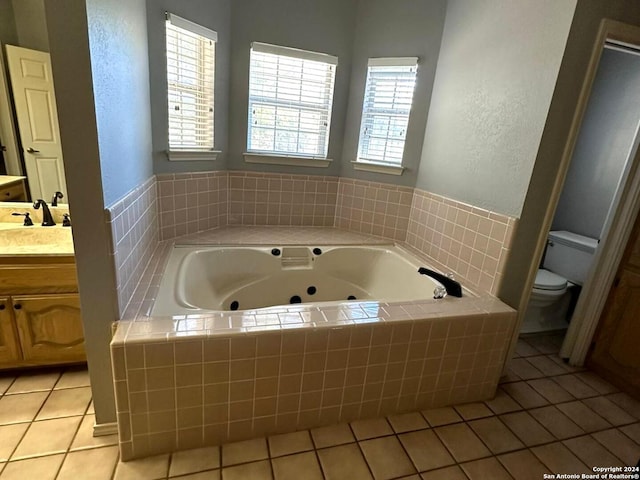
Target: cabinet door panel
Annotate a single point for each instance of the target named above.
(9, 346)
(50, 327)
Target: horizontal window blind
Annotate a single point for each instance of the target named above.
(190, 82)
(290, 100)
(385, 112)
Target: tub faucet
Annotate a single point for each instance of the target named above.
(47, 219)
(452, 287)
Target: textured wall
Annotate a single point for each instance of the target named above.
(31, 24)
(496, 72)
(213, 14)
(412, 28)
(120, 68)
(8, 32)
(607, 132)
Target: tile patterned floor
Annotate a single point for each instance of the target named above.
(546, 418)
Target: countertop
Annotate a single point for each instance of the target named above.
(17, 240)
(6, 180)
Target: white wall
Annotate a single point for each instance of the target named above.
(498, 65)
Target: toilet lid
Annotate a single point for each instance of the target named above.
(546, 280)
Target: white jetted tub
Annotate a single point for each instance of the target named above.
(223, 278)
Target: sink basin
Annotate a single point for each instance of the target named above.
(36, 240)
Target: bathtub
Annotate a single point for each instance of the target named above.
(226, 278)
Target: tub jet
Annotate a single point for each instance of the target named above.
(351, 297)
(295, 299)
(234, 305)
(311, 290)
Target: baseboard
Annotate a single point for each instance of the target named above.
(102, 429)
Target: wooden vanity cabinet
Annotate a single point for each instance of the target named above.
(40, 319)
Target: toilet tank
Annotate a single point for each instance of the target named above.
(570, 255)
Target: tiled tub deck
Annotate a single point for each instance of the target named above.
(188, 381)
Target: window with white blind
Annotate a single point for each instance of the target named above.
(386, 108)
(190, 82)
(290, 99)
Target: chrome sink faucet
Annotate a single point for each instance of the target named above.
(47, 219)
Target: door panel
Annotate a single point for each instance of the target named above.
(50, 327)
(34, 99)
(9, 345)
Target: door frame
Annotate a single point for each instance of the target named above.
(613, 242)
(7, 126)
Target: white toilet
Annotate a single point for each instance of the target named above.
(567, 261)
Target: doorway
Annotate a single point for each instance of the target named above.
(620, 217)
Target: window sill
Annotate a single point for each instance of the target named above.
(192, 155)
(378, 167)
(268, 159)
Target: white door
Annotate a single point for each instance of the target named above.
(35, 102)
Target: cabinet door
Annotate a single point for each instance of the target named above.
(50, 327)
(9, 346)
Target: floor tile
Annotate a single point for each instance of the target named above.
(91, 409)
(208, 475)
(609, 410)
(47, 437)
(546, 366)
(386, 458)
(302, 466)
(254, 471)
(246, 451)
(587, 449)
(598, 384)
(559, 459)
(441, 416)
(426, 450)
(632, 431)
(41, 468)
(5, 383)
(195, 460)
(523, 369)
(407, 422)
(526, 428)
(575, 386)
(551, 390)
(526, 396)
(485, 468)
(34, 382)
(65, 403)
(620, 445)
(523, 465)
(624, 401)
(288, 443)
(568, 368)
(371, 428)
(85, 439)
(73, 377)
(11, 436)
(556, 422)
(495, 435)
(94, 464)
(583, 416)
(463, 444)
(149, 468)
(546, 344)
(502, 403)
(449, 473)
(343, 462)
(523, 349)
(471, 411)
(332, 435)
(20, 408)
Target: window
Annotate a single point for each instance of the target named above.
(290, 98)
(190, 80)
(385, 111)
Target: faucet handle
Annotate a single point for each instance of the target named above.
(27, 218)
(56, 196)
(66, 220)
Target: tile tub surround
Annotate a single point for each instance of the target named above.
(280, 199)
(375, 208)
(133, 222)
(189, 381)
(191, 202)
(472, 242)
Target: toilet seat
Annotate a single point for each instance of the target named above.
(549, 281)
